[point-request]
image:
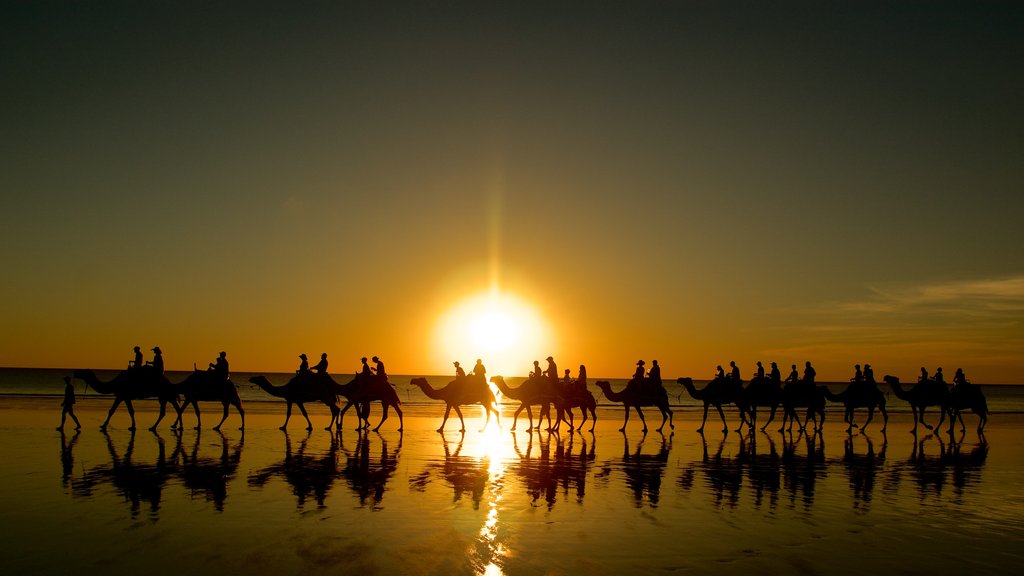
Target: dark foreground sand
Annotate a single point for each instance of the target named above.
(272, 502)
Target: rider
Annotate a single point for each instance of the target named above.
(735, 372)
(858, 376)
(720, 374)
(219, 367)
(775, 376)
(552, 371)
(321, 366)
(869, 374)
(137, 363)
(581, 380)
(794, 376)
(939, 378)
(365, 374)
(960, 379)
(536, 372)
(459, 372)
(158, 360)
(638, 374)
(654, 376)
(479, 370)
(759, 373)
(303, 366)
(378, 368)
(809, 375)
(923, 378)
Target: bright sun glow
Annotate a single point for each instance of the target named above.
(504, 331)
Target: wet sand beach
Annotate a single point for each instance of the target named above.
(501, 502)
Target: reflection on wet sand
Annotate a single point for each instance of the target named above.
(308, 475)
(641, 472)
(136, 482)
(207, 475)
(544, 474)
(935, 462)
(862, 468)
(365, 475)
(465, 474)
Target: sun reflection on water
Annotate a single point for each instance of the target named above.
(494, 447)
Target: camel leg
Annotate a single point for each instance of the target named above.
(179, 421)
(640, 413)
(462, 421)
(705, 420)
(626, 421)
(341, 413)
(384, 406)
(771, 416)
(871, 415)
(515, 417)
(725, 427)
(160, 416)
(287, 414)
(497, 415)
(885, 417)
(113, 408)
(401, 422)
(447, 411)
(131, 412)
(921, 413)
(583, 411)
(199, 423)
(309, 425)
(241, 413)
(330, 425)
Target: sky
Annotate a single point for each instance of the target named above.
(693, 182)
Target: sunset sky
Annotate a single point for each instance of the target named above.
(696, 182)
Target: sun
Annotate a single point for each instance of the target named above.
(501, 329)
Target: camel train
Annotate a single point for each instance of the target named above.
(801, 400)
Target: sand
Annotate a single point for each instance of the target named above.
(497, 502)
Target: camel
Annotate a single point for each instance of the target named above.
(205, 386)
(585, 401)
(133, 384)
(761, 391)
(921, 396)
(530, 393)
(301, 389)
(860, 395)
(717, 393)
(457, 394)
(969, 397)
(361, 394)
(633, 396)
(800, 395)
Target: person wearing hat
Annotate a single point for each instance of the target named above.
(364, 371)
(303, 366)
(158, 360)
(459, 372)
(382, 375)
(638, 374)
(321, 366)
(137, 363)
(552, 371)
(869, 375)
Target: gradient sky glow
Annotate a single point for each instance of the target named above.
(696, 182)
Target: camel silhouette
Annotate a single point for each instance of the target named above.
(134, 384)
(764, 392)
(301, 389)
(800, 395)
(716, 393)
(921, 396)
(361, 392)
(582, 399)
(632, 396)
(860, 395)
(206, 386)
(969, 397)
(457, 394)
(532, 392)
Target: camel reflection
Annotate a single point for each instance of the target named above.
(136, 482)
(801, 471)
(545, 474)
(465, 474)
(643, 471)
(367, 476)
(308, 475)
(949, 464)
(767, 471)
(862, 468)
(206, 475)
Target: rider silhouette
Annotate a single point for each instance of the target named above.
(775, 375)
(759, 373)
(158, 360)
(459, 372)
(654, 376)
(869, 374)
(219, 367)
(552, 371)
(321, 366)
(303, 366)
(382, 375)
(137, 362)
(638, 374)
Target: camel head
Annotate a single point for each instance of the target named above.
(419, 381)
(498, 378)
(890, 379)
(684, 381)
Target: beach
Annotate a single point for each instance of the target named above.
(495, 501)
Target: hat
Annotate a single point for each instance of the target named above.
(302, 356)
(640, 363)
(156, 349)
(550, 359)
(374, 358)
(456, 363)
